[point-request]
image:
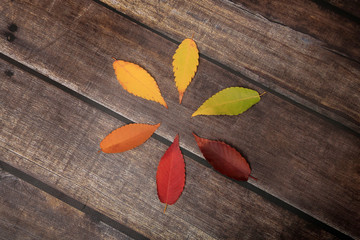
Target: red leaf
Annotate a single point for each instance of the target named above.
(170, 175)
(224, 158)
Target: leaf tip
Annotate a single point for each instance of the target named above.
(177, 139)
(196, 136)
(195, 114)
(253, 177)
(162, 102)
(181, 94)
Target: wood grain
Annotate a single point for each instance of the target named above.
(26, 212)
(313, 19)
(54, 137)
(351, 7)
(296, 156)
(307, 54)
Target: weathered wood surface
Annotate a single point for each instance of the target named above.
(26, 212)
(295, 48)
(296, 156)
(352, 7)
(55, 137)
(312, 19)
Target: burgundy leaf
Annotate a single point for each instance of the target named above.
(224, 158)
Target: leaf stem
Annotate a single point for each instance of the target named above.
(165, 207)
(253, 177)
(114, 58)
(262, 94)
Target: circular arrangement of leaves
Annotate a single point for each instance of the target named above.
(170, 175)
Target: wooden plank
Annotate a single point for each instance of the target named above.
(26, 212)
(293, 153)
(295, 48)
(311, 18)
(351, 7)
(54, 137)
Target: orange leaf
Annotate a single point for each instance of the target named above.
(127, 137)
(137, 81)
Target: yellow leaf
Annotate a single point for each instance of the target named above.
(186, 60)
(137, 81)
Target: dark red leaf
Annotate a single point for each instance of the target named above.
(224, 158)
(170, 175)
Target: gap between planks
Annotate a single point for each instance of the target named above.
(337, 10)
(82, 207)
(95, 215)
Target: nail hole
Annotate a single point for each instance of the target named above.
(13, 27)
(10, 37)
(9, 73)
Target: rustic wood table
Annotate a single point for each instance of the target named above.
(59, 98)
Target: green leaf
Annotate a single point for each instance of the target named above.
(230, 101)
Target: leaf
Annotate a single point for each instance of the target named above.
(186, 60)
(170, 175)
(127, 137)
(230, 101)
(137, 81)
(224, 158)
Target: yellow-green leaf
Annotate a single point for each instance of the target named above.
(186, 60)
(230, 101)
(137, 81)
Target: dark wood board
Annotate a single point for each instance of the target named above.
(334, 30)
(295, 48)
(54, 137)
(26, 212)
(349, 6)
(297, 156)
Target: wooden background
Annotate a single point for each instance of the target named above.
(59, 98)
